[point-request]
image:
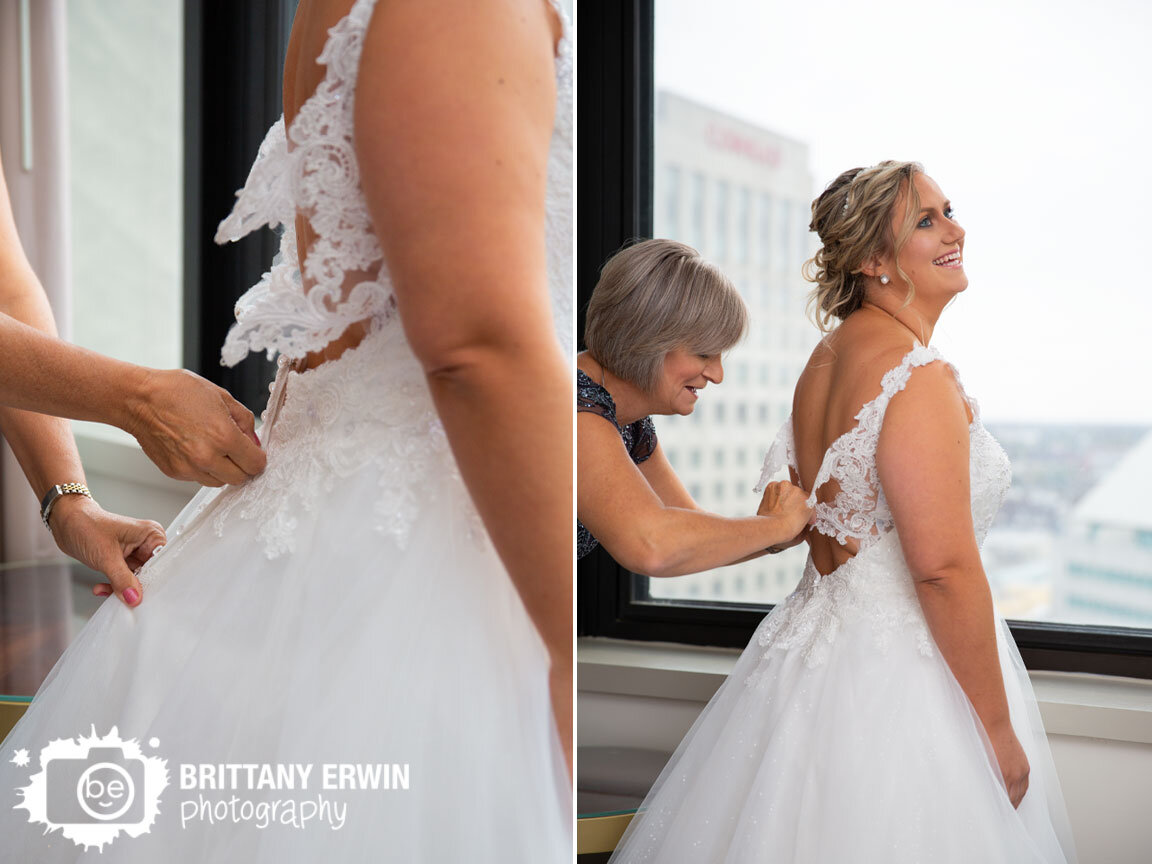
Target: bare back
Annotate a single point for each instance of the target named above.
(843, 374)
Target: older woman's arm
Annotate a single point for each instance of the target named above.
(923, 463)
(40, 373)
(623, 511)
(43, 445)
(191, 429)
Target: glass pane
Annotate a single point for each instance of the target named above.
(1038, 138)
(126, 113)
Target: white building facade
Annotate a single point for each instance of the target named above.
(741, 195)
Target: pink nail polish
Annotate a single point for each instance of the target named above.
(131, 596)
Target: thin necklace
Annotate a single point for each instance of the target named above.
(894, 318)
(602, 372)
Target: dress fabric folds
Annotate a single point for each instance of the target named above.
(841, 733)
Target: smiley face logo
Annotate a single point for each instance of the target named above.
(105, 791)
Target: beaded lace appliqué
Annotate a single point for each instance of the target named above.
(332, 426)
(875, 584)
(309, 167)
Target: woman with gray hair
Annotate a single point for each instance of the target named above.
(657, 324)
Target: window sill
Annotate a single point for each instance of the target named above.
(1071, 703)
(111, 451)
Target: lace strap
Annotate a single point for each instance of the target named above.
(782, 453)
(266, 197)
(870, 417)
(564, 47)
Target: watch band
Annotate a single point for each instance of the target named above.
(55, 494)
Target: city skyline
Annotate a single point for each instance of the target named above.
(1037, 139)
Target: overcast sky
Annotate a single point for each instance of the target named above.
(1034, 117)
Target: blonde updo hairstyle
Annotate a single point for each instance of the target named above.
(853, 218)
(656, 296)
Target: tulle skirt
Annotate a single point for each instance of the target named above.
(841, 738)
(344, 608)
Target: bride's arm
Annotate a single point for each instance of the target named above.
(923, 464)
(454, 111)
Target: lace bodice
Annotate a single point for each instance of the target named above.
(859, 510)
(875, 584)
(309, 167)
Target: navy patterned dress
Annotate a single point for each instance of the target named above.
(639, 439)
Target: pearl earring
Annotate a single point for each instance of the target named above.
(884, 279)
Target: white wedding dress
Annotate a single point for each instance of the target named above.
(841, 734)
(346, 606)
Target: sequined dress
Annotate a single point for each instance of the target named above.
(639, 438)
(347, 605)
(841, 734)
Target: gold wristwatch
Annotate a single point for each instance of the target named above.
(55, 494)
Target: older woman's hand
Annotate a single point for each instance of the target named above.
(115, 545)
(788, 503)
(194, 430)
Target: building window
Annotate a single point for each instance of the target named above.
(671, 228)
(719, 249)
(697, 237)
(766, 221)
(1075, 445)
(742, 225)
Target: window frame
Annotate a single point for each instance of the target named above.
(233, 68)
(614, 202)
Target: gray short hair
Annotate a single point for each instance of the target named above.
(656, 296)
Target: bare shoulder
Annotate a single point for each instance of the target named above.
(929, 404)
(510, 18)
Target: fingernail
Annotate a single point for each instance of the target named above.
(131, 596)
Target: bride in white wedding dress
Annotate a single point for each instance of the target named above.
(395, 588)
(881, 714)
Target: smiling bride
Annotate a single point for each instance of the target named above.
(881, 714)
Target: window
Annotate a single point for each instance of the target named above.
(743, 224)
(1072, 441)
(698, 232)
(672, 202)
(154, 161)
(720, 247)
(234, 63)
(127, 178)
(766, 221)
